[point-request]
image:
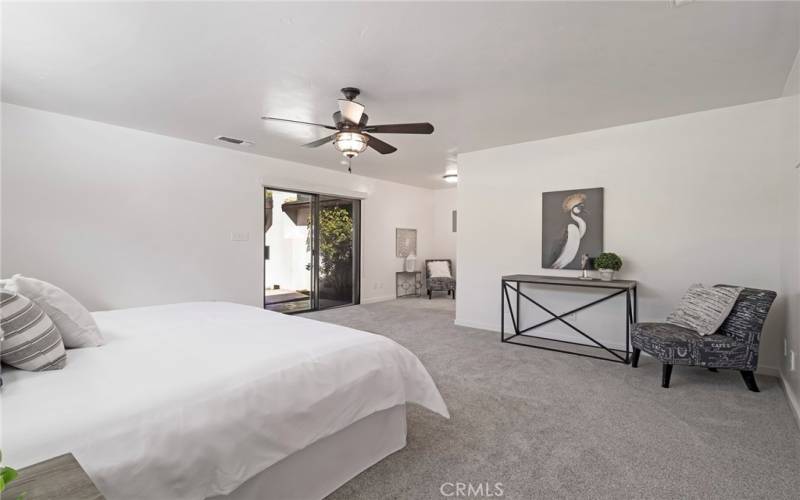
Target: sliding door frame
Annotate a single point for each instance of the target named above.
(314, 281)
(356, 250)
(315, 212)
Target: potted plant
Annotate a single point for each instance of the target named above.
(607, 263)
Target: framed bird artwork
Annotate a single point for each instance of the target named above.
(572, 225)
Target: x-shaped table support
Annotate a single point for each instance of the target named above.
(631, 314)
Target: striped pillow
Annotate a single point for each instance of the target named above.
(29, 339)
(704, 309)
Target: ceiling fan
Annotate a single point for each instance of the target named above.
(352, 134)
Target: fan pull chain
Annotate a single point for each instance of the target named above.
(349, 170)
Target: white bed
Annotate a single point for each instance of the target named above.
(192, 401)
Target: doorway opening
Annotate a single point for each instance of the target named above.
(311, 251)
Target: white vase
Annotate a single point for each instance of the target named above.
(606, 274)
(411, 263)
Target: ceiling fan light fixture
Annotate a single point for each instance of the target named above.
(350, 143)
(352, 134)
(451, 178)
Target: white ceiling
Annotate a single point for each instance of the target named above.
(485, 74)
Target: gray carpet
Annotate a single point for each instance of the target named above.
(551, 425)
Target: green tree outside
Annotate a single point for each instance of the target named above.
(335, 251)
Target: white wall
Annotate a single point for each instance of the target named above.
(791, 128)
(390, 207)
(444, 239)
(123, 218)
(792, 85)
(702, 197)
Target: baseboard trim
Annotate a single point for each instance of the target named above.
(476, 325)
(794, 404)
(769, 371)
(382, 298)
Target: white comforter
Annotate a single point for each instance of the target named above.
(188, 401)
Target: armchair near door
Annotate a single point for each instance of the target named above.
(439, 277)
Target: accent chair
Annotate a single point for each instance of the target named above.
(440, 284)
(733, 346)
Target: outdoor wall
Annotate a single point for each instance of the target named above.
(287, 266)
(123, 218)
(698, 198)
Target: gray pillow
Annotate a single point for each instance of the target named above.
(29, 339)
(704, 309)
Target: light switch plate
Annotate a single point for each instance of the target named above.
(240, 236)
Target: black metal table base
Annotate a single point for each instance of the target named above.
(609, 354)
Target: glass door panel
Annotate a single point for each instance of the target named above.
(288, 251)
(338, 251)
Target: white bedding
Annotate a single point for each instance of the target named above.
(188, 401)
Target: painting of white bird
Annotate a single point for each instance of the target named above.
(572, 225)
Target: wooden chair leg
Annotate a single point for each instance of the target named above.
(635, 357)
(713, 370)
(749, 380)
(666, 373)
(454, 295)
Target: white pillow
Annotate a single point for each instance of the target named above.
(76, 325)
(439, 269)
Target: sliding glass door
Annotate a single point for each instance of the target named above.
(311, 251)
(288, 233)
(337, 251)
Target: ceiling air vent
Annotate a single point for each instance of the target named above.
(232, 140)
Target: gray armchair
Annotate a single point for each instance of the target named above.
(734, 346)
(440, 284)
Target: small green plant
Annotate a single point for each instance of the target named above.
(608, 260)
(7, 474)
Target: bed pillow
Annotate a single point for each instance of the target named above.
(704, 309)
(30, 340)
(76, 325)
(439, 269)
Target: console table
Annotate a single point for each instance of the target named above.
(514, 283)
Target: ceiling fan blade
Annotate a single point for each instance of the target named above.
(319, 142)
(269, 118)
(401, 128)
(379, 146)
(351, 110)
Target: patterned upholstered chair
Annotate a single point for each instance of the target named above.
(440, 284)
(734, 346)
